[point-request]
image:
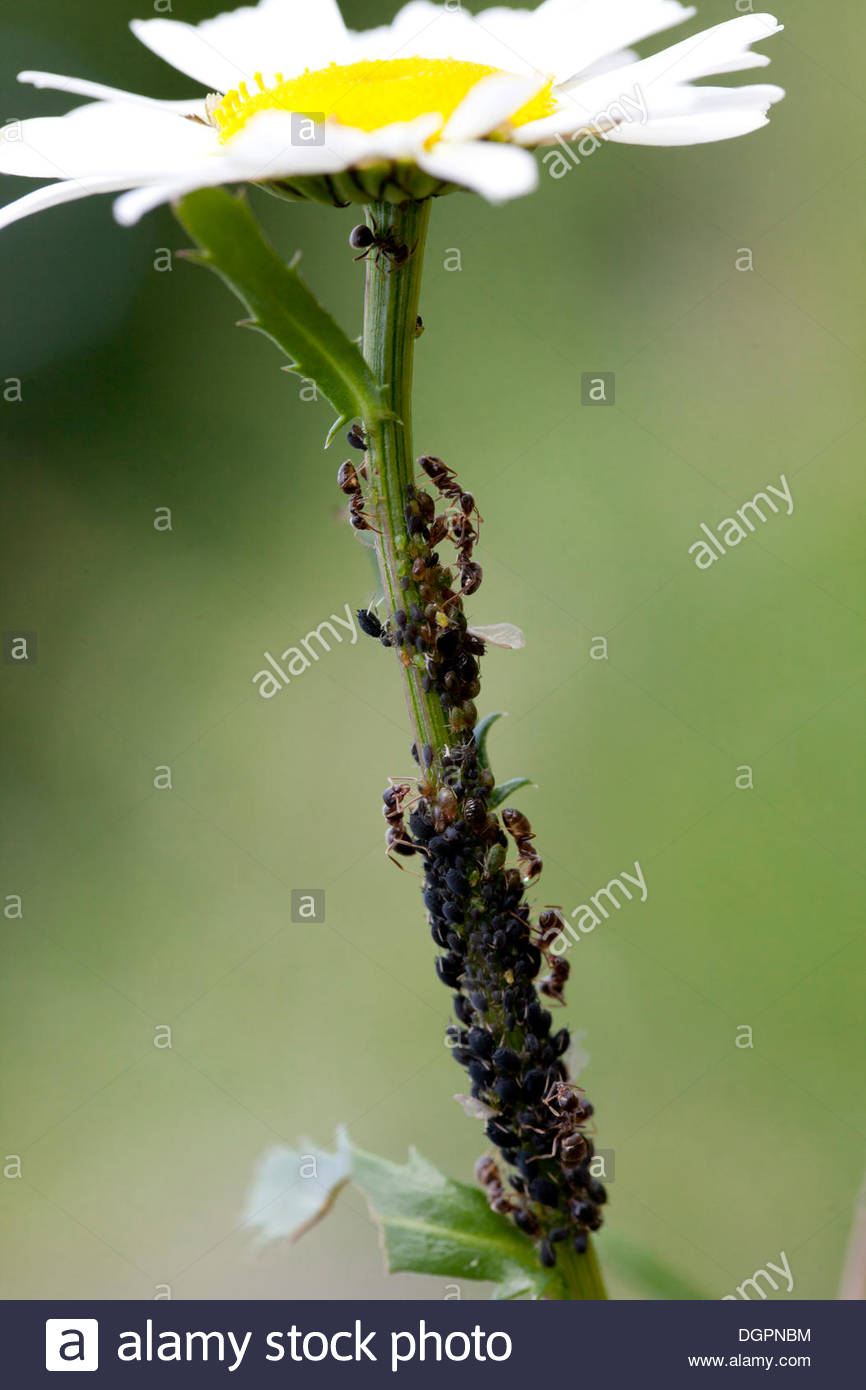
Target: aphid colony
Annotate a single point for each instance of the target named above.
(491, 951)
(432, 630)
(503, 1036)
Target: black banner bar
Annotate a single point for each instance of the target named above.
(317, 1344)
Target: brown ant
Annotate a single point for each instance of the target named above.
(567, 1098)
(521, 831)
(551, 986)
(445, 480)
(463, 533)
(488, 1175)
(396, 840)
(572, 1111)
(445, 808)
(443, 477)
(348, 482)
(348, 477)
(383, 245)
(550, 926)
(471, 575)
(475, 814)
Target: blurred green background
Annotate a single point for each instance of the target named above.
(146, 907)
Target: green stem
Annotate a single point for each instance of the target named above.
(391, 297)
(579, 1275)
(390, 316)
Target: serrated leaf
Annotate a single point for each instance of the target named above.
(338, 424)
(505, 789)
(282, 307)
(482, 729)
(642, 1268)
(293, 1189)
(430, 1224)
(434, 1225)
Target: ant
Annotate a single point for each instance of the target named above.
(384, 245)
(471, 575)
(566, 1098)
(396, 841)
(349, 483)
(552, 985)
(521, 832)
(550, 926)
(488, 1175)
(445, 481)
(442, 477)
(572, 1111)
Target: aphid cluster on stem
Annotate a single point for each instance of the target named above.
(431, 631)
(458, 525)
(490, 951)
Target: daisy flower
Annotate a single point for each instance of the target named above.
(439, 99)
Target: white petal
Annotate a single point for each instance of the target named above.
(638, 109)
(559, 38)
(652, 85)
(77, 86)
(274, 36)
(691, 130)
(425, 30)
(574, 114)
(265, 149)
(563, 37)
(104, 138)
(133, 205)
(68, 191)
(621, 59)
(490, 102)
(402, 140)
(282, 164)
(268, 147)
(723, 48)
(703, 101)
(495, 170)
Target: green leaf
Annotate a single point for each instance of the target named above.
(430, 1224)
(433, 1225)
(641, 1268)
(504, 790)
(282, 307)
(482, 729)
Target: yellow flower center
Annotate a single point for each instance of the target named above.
(369, 95)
